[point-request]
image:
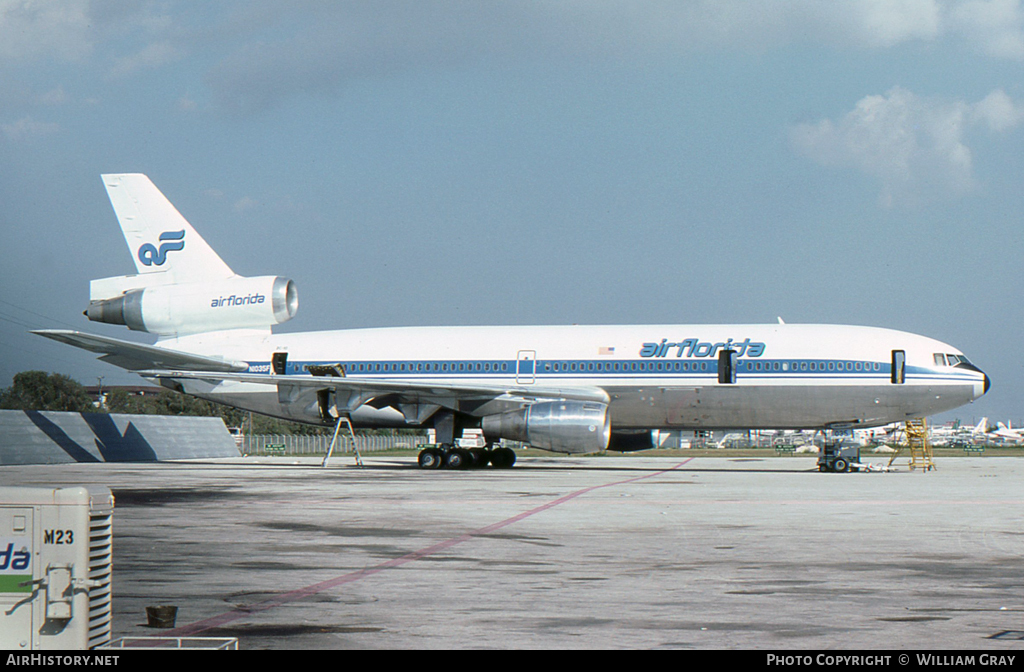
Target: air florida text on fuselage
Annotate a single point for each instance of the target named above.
(691, 347)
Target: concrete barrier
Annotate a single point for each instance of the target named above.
(51, 437)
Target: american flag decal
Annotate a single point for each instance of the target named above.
(606, 351)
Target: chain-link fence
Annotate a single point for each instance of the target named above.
(318, 444)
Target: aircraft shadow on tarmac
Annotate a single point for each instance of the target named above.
(525, 465)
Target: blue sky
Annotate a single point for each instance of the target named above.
(414, 163)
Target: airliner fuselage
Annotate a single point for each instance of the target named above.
(784, 376)
(570, 389)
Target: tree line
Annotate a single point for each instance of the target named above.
(41, 391)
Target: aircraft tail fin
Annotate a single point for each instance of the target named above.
(160, 240)
(182, 287)
(982, 426)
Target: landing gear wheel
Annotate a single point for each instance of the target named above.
(503, 458)
(431, 458)
(457, 458)
(480, 458)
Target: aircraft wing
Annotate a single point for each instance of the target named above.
(415, 400)
(136, 356)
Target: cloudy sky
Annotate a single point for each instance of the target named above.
(543, 162)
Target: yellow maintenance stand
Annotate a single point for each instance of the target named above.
(917, 444)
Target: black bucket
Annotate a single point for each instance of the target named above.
(161, 617)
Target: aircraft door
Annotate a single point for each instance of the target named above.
(899, 367)
(526, 362)
(727, 367)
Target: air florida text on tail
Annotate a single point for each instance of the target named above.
(234, 300)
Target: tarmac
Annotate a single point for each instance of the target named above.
(566, 552)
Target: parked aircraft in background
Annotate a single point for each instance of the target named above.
(885, 434)
(957, 433)
(568, 389)
(1007, 433)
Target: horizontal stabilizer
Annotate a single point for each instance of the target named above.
(137, 356)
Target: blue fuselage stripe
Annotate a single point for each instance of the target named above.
(762, 370)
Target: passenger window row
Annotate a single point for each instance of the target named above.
(563, 367)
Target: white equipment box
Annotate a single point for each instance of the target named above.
(56, 558)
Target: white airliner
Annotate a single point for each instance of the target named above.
(955, 434)
(567, 389)
(1008, 433)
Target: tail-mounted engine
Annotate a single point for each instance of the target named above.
(559, 426)
(181, 309)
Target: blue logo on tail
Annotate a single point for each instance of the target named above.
(149, 255)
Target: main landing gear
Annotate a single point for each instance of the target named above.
(447, 456)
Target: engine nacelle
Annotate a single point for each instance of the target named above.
(181, 309)
(559, 426)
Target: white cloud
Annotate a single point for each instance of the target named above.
(152, 56)
(914, 145)
(73, 30)
(244, 203)
(271, 50)
(998, 112)
(275, 51)
(995, 27)
(884, 23)
(27, 127)
(51, 28)
(53, 97)
(992, 27)
(860, 23)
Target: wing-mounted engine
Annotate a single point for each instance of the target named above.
(559, 426)
(193, 308)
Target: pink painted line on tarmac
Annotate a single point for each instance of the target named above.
(352, 577)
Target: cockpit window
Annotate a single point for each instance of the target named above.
(940, 359)
(956, 359)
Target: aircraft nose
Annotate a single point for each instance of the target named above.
(981, 386)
